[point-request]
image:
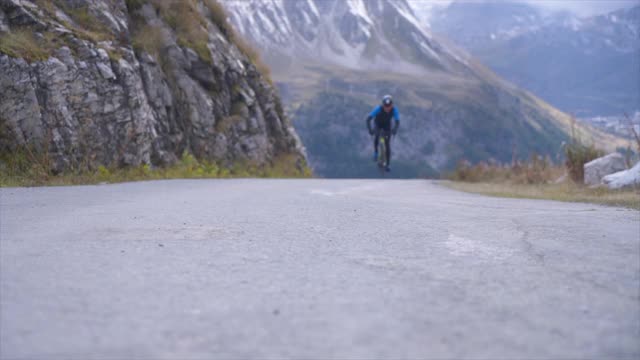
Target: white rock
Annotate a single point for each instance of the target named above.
(625, 178)
(596, 169)
(103, 54)
(106, 71)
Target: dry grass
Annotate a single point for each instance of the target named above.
(149, 39)
(88, 26)
(219, 17)
(223, 125)
(567, 191)
(27, 169)
(191, 29)
(34, 45)
(288, 166)
(184, 17)
(48, 7)
(537, 179)
(537, 170)
(24, 44)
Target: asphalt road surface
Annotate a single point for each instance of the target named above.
(192, 269)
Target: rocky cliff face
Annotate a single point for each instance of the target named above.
(116, 83)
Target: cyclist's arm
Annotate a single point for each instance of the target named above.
(373, 114)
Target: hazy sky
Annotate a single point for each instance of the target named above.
(585, 7)
(580, 7)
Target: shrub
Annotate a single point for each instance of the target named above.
(578, 154)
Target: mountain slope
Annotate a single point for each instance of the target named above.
(586, 66)
(348, 33)
(118, 83)
(451, 106)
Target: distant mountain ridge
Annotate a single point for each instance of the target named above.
(332, 69)
(587, 66)
(344, 32)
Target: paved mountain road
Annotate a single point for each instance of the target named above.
(189, 269)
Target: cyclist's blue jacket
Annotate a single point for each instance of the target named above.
(383, 118)
(378, 111)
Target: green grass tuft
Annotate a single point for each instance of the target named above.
(23, 43)
(26, 168)
(149, 39)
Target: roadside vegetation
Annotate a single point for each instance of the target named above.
(26, 168)
(24, 44)
(540, 178)
(564, 191)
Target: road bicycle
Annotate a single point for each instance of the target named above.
(382, 153)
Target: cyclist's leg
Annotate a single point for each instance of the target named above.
(376, 137)
(386, 132)
(375, 144)
(387, 141)
(377, 128)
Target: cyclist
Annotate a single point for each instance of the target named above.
(382, 115)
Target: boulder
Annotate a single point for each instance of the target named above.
(623, 179)
(596, 169)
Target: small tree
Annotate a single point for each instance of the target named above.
(577, 154)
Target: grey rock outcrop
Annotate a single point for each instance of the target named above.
(596, 169)
(105, 102)
(22, 13)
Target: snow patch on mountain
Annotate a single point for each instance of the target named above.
(357, 8)
(363, 34)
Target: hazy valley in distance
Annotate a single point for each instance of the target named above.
(585, 65)
(333, 60)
